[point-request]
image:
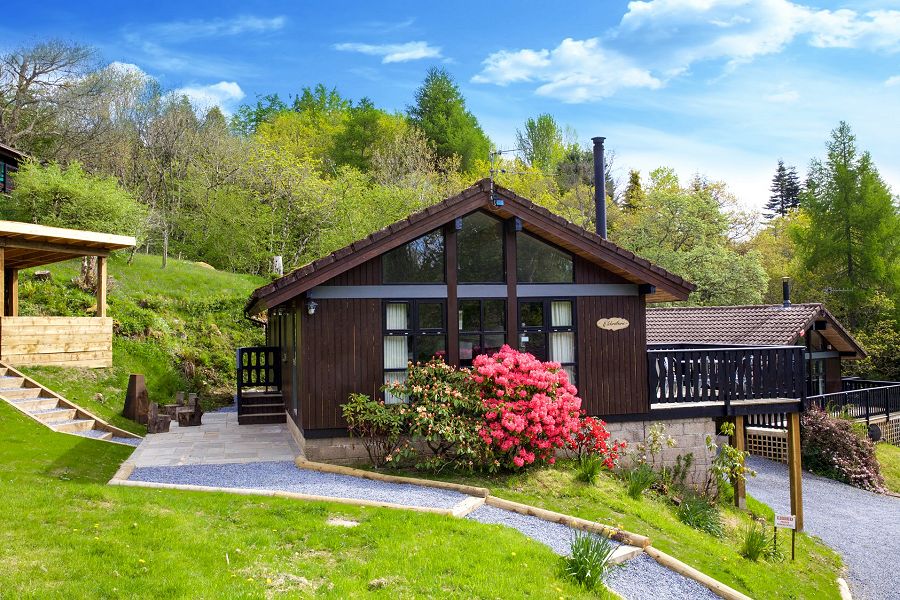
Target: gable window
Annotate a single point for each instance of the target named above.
(547, 330)
(480, 249)
(539, 262)
(482, 328)
(414, 331)
(419, 261)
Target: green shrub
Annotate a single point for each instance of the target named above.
(831, 447)
(377, 424)
(756, 543)
(639, 479)
(589, 562)
(700, 514)
(588, 468)
(729, 464)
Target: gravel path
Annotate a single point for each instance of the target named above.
(641, 578)
(284, 475)
(863, 527)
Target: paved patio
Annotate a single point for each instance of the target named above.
(219, 440)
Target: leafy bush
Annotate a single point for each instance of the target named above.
(756, 543)
(639, 479)
(378, 425)
(532, 409)
(592, 438)
(589, 562)
(830, 447)
(729, 464)
(700, 514)
(588, 468)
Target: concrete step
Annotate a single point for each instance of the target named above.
(262, 419)
(33, 404)
(21, 393)
(54, 415)
(74, 426)
(624, 553)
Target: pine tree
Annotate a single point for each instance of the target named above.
(634, 192)
(785, 191)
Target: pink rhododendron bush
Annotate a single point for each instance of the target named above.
(509, 411)
(532, 409)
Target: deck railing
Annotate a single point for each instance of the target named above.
(258, 367)
(726, 374)
(861, 399)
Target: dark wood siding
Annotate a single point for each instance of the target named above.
(368, 273)
(612, 365)
(588, 272)
(833, 375)
(340, 353)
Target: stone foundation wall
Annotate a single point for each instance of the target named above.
(689, 434)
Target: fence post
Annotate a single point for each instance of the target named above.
(794, 467)
(740, 484)
(866, 394)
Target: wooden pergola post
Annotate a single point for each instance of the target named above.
(795, 470)
(11, 277)
(101, 286)
(2, 281)
(740, 484)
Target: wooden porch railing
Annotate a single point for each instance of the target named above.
(726, 374)
(259, 368)
(861, 399)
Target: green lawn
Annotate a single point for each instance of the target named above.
(889, 459)
(63, 534)
(812, 575)
(179, 326)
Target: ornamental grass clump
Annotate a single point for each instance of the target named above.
(587, 468)
(639, 479)
(832, 448)
(700, 514)
(756, 543)
(589, 562)
(532, 408)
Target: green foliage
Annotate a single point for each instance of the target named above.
(785, 191)
(700, 514)
(756, 543)
(439, 110)
(379, 425)
(639, 479)
(588, 468)
(832, 448)
(70, 197)
(589, 561)
(851, 240)
(729, 464)
(541, 142)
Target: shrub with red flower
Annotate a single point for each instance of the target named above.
(532, 408)
(593, 438)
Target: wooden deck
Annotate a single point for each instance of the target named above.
(56, 341)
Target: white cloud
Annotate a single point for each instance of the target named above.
(209, 28)
(575, 71)
(392, 53)
(892, 81)
(785, 97)
(224, 94)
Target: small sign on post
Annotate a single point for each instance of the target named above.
(786, 522)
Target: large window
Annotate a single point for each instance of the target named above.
(482, 328)
(414, 331)
(480, 249)
(547, 330)
(419, 261)
(539, 262)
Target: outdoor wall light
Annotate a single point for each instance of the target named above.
(311, 306)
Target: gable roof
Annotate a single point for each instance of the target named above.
(759, 325)
(535, 219)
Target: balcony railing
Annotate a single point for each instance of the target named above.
(725, 375)
(861, 399)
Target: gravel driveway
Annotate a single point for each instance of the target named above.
(863, 527)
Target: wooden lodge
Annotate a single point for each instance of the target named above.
(9, 164)
(48, 340)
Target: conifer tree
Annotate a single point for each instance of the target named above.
(785, 191)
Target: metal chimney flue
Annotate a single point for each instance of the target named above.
(600, 185)
(786, 291)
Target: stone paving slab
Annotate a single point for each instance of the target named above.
(219, 440)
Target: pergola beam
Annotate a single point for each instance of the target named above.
(75, 250)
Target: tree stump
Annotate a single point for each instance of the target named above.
(157, 423)
(179, 398)
(137, 400)
(42, 276)
(190, 416)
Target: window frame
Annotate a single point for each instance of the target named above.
(547, 328)
(548, 243)
(443, 281)
(481, 332)
(413, 331)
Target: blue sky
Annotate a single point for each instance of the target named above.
(720, 87)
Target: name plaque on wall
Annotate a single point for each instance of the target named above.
(613, 323)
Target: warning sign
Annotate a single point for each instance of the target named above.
(786, 521)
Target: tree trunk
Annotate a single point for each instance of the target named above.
(165, 253)
(88, 279)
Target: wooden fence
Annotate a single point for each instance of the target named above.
(56, 341)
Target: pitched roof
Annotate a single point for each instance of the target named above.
(758, 325)
(535, 219)
(28, 245)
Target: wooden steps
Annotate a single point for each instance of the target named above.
(261, 407)
(53, 411)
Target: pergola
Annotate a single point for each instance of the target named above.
(53, 340)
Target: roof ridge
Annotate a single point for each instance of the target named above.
(733, 306)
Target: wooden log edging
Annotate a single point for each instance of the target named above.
(279, 494)
(713, 585)
(469, 490)
(619, 535)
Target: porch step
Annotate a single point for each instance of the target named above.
(97, 434)
(33, 404)
(74, 425)
(263, 418)
(54, 415)
(20, 393)
(7, 382)
(262, 409)
(257, 398)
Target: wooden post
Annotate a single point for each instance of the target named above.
(2, 282)
(13, 283)
(740, 485)
(101, 286)
(795, 468)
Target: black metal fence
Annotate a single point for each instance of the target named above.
(726, 374)
(861, 399)
(258, 367)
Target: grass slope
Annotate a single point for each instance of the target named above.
(63, 534)
(889, 459)
(813, 575)
(179, 326)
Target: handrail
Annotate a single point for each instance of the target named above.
(862, 403)
(258, 367)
